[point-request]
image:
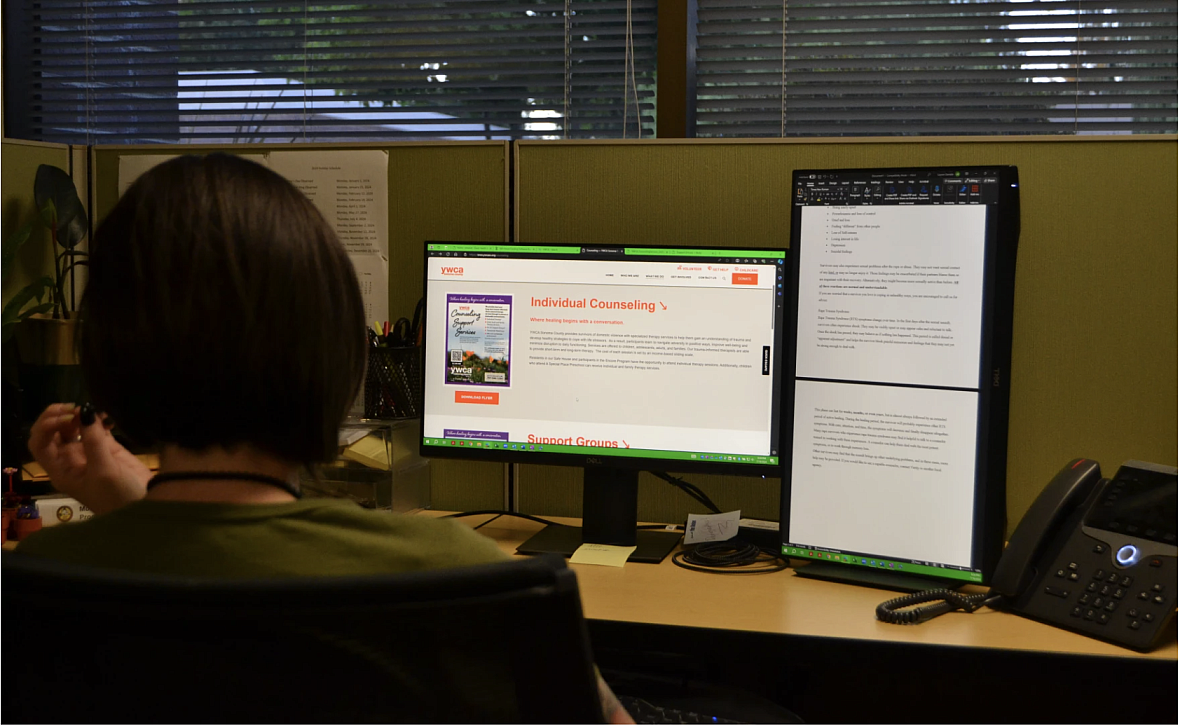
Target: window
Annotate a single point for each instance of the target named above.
(135, 71)
(929, 67)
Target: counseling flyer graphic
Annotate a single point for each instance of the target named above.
(479, 339)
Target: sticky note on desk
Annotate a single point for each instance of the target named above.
(711, 527)
(591, 553)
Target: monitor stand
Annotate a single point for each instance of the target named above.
(868, 577)
(610, 505)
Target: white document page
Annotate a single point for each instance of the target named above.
(892, 294)
(884, 469)
(132, 166)
(888, 295)
(351, 190)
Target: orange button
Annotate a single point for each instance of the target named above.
(745, 278)
(491, 398)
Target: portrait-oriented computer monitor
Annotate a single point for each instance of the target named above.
(901, 285)
(609, 358)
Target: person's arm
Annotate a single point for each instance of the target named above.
(83, 459)
(611, 708)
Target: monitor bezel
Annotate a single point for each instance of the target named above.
(996, 329)
(687, 466)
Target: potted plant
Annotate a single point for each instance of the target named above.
(39, 321)
(61, 213)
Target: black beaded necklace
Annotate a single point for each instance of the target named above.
(286, 486)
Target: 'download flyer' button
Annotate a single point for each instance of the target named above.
(491, 398)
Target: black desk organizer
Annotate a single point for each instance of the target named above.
(393, 382)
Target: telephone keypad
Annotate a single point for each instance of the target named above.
(1092, 608)
(1084, 545)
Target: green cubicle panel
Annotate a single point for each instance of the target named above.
(437, 190)
(1094, 366)
(21, 159)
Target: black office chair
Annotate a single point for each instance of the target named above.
(496, 643)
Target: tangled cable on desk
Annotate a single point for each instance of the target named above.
(731, 557)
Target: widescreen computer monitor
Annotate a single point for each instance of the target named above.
(901, 286)
(610, 358)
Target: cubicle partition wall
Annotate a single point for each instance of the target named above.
(1094, 364)
(436, 190)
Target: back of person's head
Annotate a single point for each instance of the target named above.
(222, 310)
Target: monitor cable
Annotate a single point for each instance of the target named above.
(894, 611)
(730, 557)
(690, 489)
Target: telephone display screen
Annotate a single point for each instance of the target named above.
(1138, 503)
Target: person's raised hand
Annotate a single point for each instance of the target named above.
(84, 460)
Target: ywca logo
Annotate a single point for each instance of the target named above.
(452, 271)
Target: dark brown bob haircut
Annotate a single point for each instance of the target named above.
(222, 310)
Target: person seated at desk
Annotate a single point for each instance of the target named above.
(223, 323)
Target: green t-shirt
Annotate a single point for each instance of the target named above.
(312, 537)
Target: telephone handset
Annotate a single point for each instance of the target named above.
(1061, 497)
(1096, 556)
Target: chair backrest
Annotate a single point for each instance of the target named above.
(504, 642)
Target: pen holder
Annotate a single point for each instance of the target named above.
(393, 382)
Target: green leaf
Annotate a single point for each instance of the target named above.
(55, 185)
(36, 310)
(48, 213)
(34, 290)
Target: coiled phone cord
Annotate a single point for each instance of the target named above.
(891, 611)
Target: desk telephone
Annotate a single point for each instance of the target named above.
(1092, 555)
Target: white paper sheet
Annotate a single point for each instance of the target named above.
(372, 272)
(133, 166)
(351, 190)
(711, 527)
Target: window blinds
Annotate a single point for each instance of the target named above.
(135, 71)
(930, 67)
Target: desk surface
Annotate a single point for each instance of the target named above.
(779, 602)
